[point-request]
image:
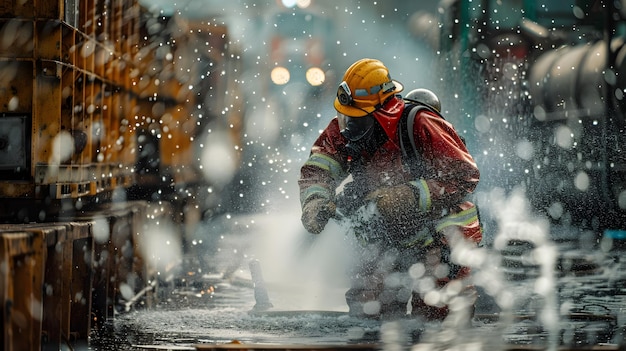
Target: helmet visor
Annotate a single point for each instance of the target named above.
(356, 128)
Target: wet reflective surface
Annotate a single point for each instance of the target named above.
(567, 291)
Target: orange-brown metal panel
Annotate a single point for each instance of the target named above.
(179, 126)
(115, 228)
(101, 21)
(86, 21)
(54, 236)
(78, 113)
(128, 127)
(93, 109)
(47, 118)
(85, 119)
(67, 278)
(115, 140)
(52, 9)
(17, 34)
(17, 85)
(169, 86)
(117, 18)
(15, 189)
(53, 298)
(68, 44)
(67, 120)
(101, 56)
(12, 9)
(80, 286)
(109, 135)
(87, 52)
(47, 38)
(24, 255)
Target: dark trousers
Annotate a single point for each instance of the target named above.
(389, 283)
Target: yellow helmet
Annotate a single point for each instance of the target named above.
(366, 86)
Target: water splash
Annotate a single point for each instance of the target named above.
(518, 226)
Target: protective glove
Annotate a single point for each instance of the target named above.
(395, 201)
(350, 199)
(316, 213)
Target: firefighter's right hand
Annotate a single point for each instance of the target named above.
(316, 213)
(350, 199)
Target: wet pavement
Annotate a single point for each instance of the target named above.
(566, 291)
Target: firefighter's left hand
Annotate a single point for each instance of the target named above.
(394, 201)
(316, 213)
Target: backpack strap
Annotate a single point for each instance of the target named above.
(407, 121)
(411, 156)
(410, 123)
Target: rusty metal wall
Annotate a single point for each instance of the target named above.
(60, 281)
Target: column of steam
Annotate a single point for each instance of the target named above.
(260, 292)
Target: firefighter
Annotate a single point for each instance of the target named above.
(407, 212)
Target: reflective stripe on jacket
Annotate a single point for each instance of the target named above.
(448, 173)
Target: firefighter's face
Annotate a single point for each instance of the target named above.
(357, 129)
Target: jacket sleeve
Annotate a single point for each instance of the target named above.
(449, 171)
(324, 170)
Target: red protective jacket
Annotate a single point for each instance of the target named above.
(448, 172)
